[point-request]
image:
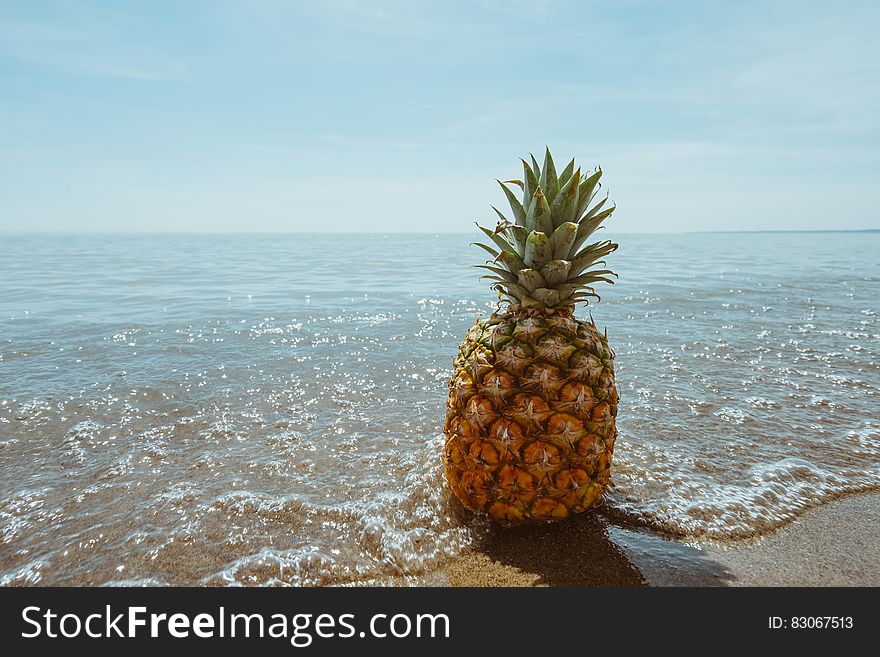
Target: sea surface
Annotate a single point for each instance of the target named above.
(267, 409)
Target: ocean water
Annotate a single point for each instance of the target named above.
(267, 409)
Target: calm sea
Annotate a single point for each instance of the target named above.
(264, 409)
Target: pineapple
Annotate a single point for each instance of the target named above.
(530, 423)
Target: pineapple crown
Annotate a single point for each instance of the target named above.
(538, 259)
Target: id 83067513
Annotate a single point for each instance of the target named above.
(810, 623)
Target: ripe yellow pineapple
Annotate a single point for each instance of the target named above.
(530, 422)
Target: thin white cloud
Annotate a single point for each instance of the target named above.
(540, 11)
(84, 48)
(401, 19)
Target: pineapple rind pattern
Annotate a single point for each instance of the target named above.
(531, 417)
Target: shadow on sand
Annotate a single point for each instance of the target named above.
(586, 550)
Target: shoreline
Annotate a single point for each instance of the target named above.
(834, 544)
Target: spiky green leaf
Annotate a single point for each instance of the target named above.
(548, 180)
(503, 273)
(586, 190)
(530, 279)
(498, 238)
(503, 219)
(566, 173)
(576, 291)
(538, 251)
(514, 290)
(489, 249)
(510, 261)
(519, 213)
(519, 235)
(590, 255)
(546, 296)
(584, 296)
(530, 184)
(566, 201)
(587, 228)
(586, 279)
(563, 239)
(540, 215)
(555, 272)
(594, 210)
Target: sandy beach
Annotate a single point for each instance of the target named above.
(832, 545)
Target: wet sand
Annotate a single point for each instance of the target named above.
(833, 545)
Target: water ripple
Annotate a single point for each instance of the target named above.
(215, 410)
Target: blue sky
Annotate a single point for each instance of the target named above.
(397, 116)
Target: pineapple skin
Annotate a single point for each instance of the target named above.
(531, 416)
